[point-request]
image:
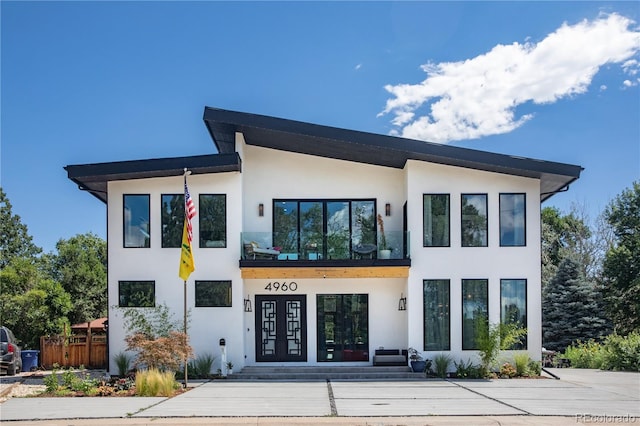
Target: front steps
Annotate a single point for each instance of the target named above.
(321, 373)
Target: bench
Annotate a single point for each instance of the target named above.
(390, 357)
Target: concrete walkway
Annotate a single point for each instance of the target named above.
(581, 396)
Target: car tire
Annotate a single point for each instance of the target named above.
(11, 369)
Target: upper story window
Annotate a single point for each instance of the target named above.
(213, 220)
(172, 219)
(323, 229)
(474, 220)
(136, 221)
(513, 231)
(136, 294)
(436, 220)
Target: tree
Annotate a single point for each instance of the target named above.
(621, 270)
(31, 304)
(571, 308)
(80, 265)
(15, 240)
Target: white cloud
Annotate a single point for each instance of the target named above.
(603, 87)
(358, 67)
(477, 97)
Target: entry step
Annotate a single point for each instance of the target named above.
(312, 373)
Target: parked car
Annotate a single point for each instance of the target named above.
(10, 352)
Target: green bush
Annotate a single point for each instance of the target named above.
(534, 368)
(584, 354)
(200, 367)
(522, 361)
(508, 370)
(441, 362)
(466, 370)
(621, 353)
(153, 382)
(123, 363)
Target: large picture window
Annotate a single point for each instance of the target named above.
(474, 220)
(213, 293)
(436, 315)
(137, 230)
(213, 220)
(343, 327)
(513, 220)
(172, 211)
(136, 294)
(324, 229)
(475, 311)
(436, 218)
(513, 306)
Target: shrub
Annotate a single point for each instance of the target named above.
(466, 370)
(492, 338)
(68, 382)
(153, 382)
(508, 370)
(584, 354)
(534, 368)
(442, 362)
(621, 353)
(522, 361)
(123, 363)
(201, 366)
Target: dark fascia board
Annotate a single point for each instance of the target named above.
(375, 149)
(94, 177)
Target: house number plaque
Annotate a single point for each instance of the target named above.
(282, 286)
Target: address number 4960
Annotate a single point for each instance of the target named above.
(277, 286)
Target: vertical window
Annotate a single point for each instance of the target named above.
(136, 221)
(474, 220)
(475, 311)
(513, 306)
(436, 220)
(513, 220)
(213, 220)
(343, 327)
(213, 294)
(172, 219)
(136, 294)
(436, 315)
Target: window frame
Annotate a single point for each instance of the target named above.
(524, 218)
(121, 283)
(201, 241)
(446, 347)
(124, 220)
(486, 219)
(424, 216)
(486, 311)
(229, 304)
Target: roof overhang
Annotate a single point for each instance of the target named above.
(375, 149)
(94, 177)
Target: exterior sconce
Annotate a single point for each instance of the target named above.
(402, 303)
(260, 209)
(387, 209)
(247, 305)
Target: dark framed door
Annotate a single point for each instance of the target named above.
(281, 328)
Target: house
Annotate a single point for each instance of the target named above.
(289, 261)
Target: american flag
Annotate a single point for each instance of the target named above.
(190, 210)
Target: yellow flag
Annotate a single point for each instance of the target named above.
(187, 265)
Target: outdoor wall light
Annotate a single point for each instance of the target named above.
(260, 209)
(387, 209)
(247, 305)
(402, 303)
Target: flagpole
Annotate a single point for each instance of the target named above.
(186, 380)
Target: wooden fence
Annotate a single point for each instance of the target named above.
(89, 350)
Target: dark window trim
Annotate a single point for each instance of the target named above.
(161, 223)
(124, 229)
(226, 236)
(486, 280)
(486, 204)
(121, 282)
(524, 194)
(195, 299)
(526, 306)
(424, 342)
(449, 214)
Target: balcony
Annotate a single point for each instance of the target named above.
(324, 256)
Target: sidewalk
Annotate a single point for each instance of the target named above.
(581, 396)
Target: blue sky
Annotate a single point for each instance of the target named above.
(86, 82)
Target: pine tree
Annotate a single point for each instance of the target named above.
(572, 308)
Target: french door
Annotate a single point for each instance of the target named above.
(281, 328)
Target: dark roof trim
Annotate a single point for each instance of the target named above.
(94, 177)
(375, 149)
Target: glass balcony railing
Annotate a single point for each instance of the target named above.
(296, 246)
